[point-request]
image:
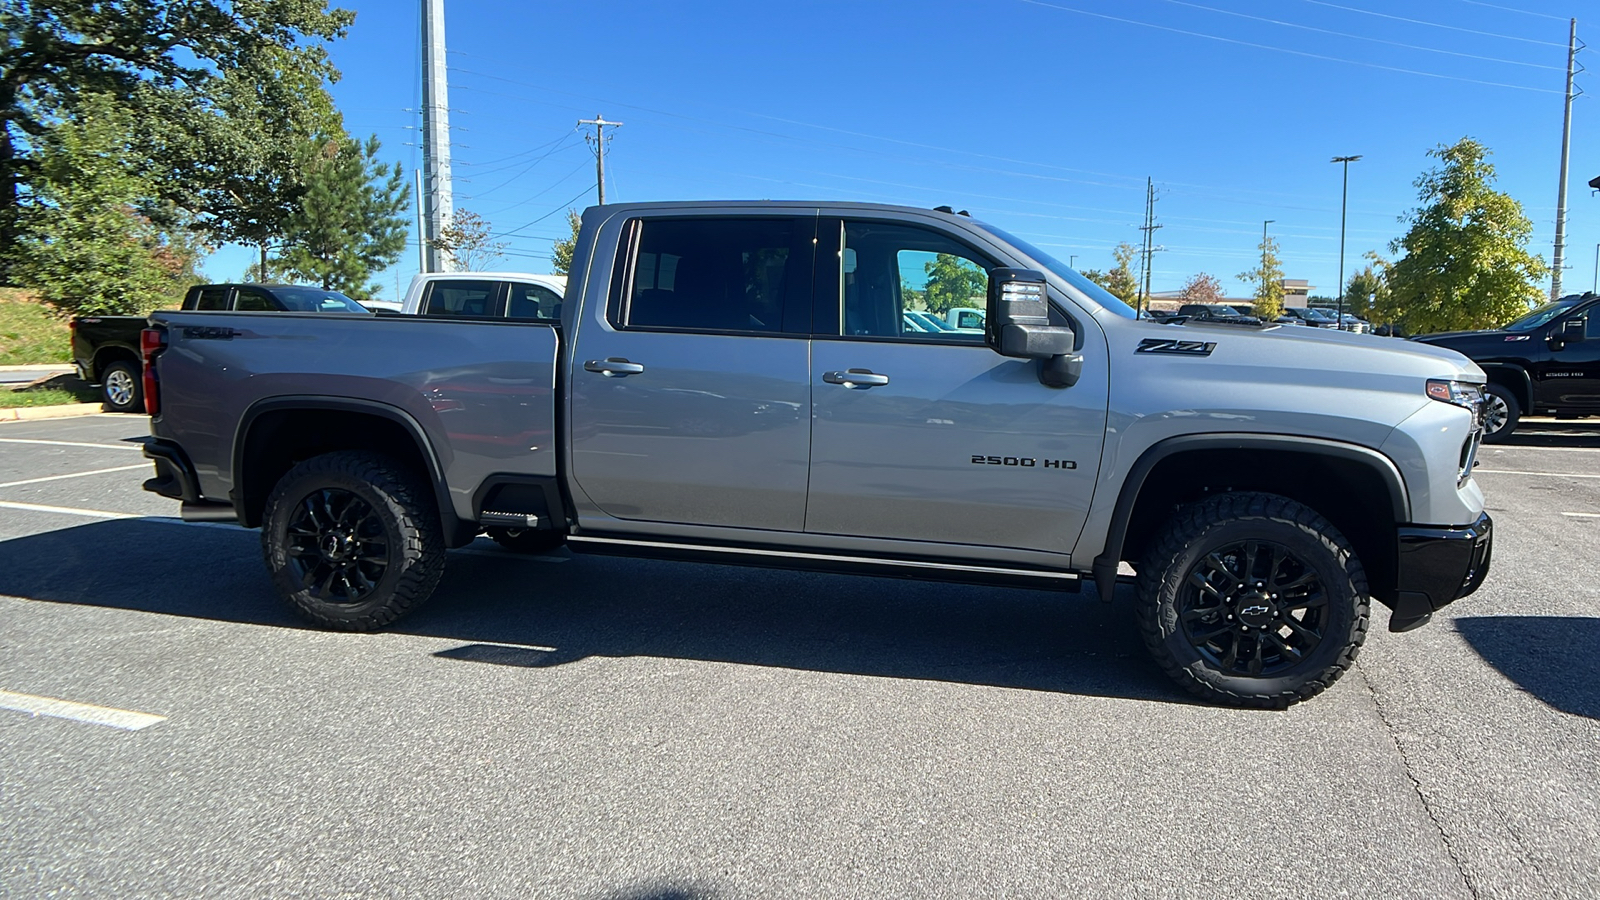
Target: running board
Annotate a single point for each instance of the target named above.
(917, 569)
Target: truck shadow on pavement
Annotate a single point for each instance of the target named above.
(1565, 433)
(1553, 658)
(539, 612)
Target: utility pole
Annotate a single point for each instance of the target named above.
(1344, 203)
(1149, 228)
(1566, 151)
(1262, 291)
(436, 136)
(599, 141)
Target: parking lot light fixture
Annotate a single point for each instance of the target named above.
(1344, 203)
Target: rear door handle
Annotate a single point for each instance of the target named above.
(856, 378)
(613, 367)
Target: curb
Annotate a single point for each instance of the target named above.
(63, 411)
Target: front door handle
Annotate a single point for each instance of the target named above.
(613, 367)
(856, 378)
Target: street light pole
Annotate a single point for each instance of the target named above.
(1344, 203)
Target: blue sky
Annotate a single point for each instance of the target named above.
(1040, 116)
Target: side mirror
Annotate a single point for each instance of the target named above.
(1017, 324)
(1571, 330)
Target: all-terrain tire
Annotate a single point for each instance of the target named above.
(1499, 394)
(1206, 543)
(122, 387)
(527, 540)
(352, 540)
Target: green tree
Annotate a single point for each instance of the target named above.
(89, 248)
(1465, 261)
(1119, 280)
(1366, 292)
(561, 249)
(350, 223)
(954, 282)
(468, 241)
(1268, 276)
(182, 68)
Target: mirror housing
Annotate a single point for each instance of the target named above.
(1017, 324)
(1572, 330)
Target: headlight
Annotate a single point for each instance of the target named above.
(1461, 393)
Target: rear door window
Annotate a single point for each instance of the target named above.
(532, 301)
(252, 300)
(212, 298)
(463, 297)
(721, 275)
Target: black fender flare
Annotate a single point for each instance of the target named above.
(1516, 378)
(452, 524)
(1105, 565)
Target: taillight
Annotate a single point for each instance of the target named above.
(151, 342)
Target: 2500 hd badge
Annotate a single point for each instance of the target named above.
(1026, 462)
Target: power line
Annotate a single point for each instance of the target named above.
(1228, 40)
(1368, 12)
(543, 217)
(1526, 12)
(1361, 37)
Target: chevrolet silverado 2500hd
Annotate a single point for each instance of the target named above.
(736, 382)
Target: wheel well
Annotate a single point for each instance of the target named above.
(105, 356)
(279, 439)
(1514, 380)
(1354, 496)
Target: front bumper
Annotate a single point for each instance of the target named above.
(1438, 566)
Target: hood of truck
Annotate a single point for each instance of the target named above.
(1481, 344)
(1329, 350)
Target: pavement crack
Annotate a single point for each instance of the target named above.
(1416, 785)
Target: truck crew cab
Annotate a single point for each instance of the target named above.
(1545, 363)
(737, 382)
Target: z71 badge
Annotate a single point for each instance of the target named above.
(1026, 462)
(1182, 348)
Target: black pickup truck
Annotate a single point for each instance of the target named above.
(1545, 363)
(105, 349)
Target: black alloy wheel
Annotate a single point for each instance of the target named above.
(353, 540)
(338, 548)
(1253, 608)
(1252, 599)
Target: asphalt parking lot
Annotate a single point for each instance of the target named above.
(602, 728)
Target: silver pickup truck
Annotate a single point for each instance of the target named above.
(735, 382)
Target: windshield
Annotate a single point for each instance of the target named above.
(303, 299)
(1096, 293)
(1543, 314)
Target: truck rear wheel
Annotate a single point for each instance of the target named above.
(352, 540)
(120, 388)
(1253, 600)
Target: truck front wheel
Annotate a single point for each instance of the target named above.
(352, 540)
(1252, 599)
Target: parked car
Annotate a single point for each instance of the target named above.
(1309, 315)
(494, 295)
(1545, 363)
(1212, 311)
(105, 349)
(965, 318)
(778, 415)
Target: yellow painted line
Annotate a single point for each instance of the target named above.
(125, 719)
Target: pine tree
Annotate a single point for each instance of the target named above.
(350, 223)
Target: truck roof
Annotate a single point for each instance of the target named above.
(777, 204)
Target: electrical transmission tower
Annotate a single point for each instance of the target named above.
(1566, 151)
(599, 140)
(436, 202)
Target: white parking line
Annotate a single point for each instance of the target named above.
(7, 484)
(126, 719)
(139, 446)
(1540, 474)
(1582, 515)
(107, 514)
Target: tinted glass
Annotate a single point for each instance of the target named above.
(212, 298)
(252, 300)
(718, 274)
(462, 298)
(308, 299)
(533, 301)
(899, 282)
(1094, 291)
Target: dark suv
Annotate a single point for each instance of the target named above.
(1545, 363)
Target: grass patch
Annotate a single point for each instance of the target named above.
(54, 392)
(30, 332)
